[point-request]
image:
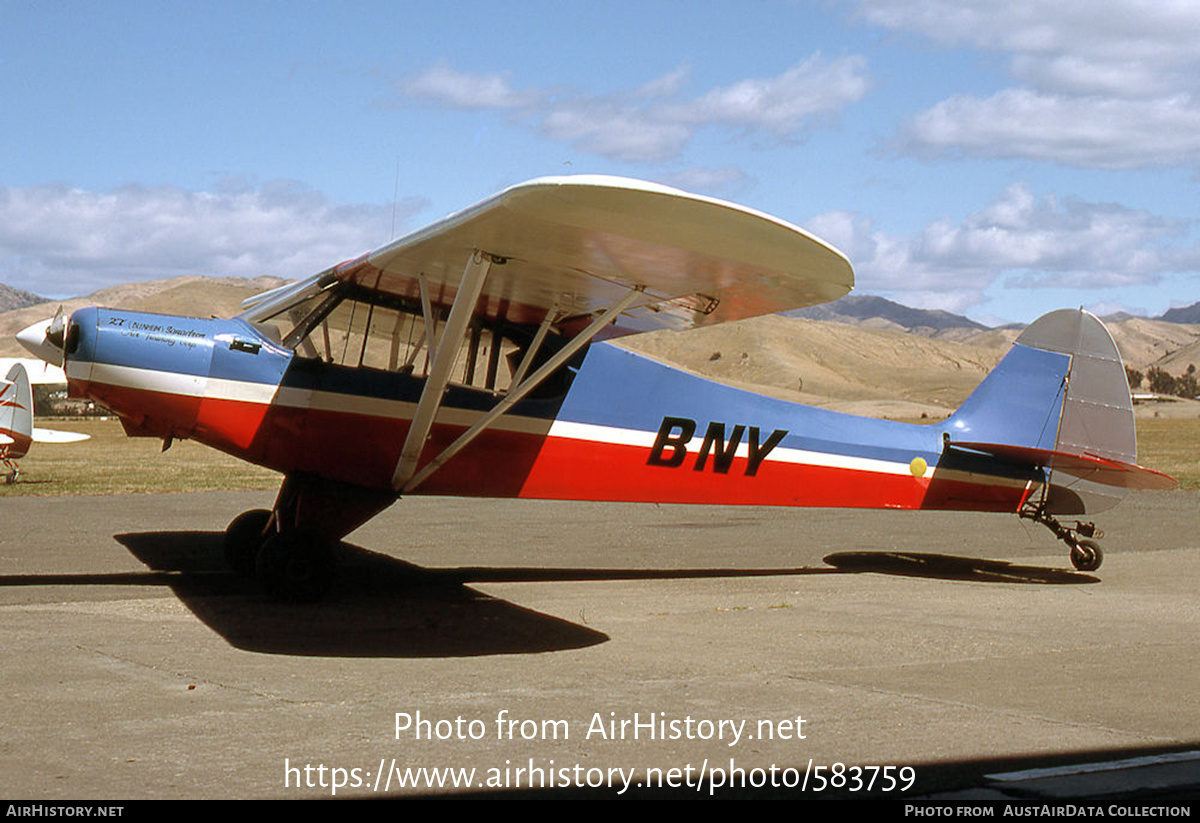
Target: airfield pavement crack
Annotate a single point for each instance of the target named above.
(194, 681)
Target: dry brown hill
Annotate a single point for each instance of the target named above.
(11, 298)
(829, 364)
(1177, 362)
(193, 296)
(880, 372)
(870, 367)
(1144, 343)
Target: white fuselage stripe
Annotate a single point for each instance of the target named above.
(265, 394)
(781, 454)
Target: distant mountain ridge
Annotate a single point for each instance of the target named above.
(11, 298)
(872, 310)
(1184, 314)
(859, 309)
(1170, 342)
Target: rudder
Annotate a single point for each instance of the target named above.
(16, 412)
(1061, 391)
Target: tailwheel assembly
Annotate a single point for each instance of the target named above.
(1086, 555)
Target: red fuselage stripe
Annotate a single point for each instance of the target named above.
(363, 449)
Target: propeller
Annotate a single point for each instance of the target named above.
(56, 331)
(45, 338)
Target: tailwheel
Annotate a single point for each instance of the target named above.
(295, 567)
(1086, 555)
(244, 537)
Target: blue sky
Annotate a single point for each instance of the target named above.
(998, 160)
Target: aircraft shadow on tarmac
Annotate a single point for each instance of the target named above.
(384, 607)
(950, 567)
(379, 607)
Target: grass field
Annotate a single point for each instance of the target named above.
(111, 463)
(1171, 446)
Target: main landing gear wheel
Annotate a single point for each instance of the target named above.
(1086, 555)
(244, 537)
(295, 567)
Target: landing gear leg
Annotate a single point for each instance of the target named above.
(1086, 555)
(292, 548)
(296, 568)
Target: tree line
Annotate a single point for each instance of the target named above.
(1162, 382)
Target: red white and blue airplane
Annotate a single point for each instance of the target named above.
(471, 358)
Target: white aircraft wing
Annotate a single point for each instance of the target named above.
(55, 436)
(577, 244)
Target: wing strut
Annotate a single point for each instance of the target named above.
(448, 345)
(527, 360)
(427, 314)
(519, 391)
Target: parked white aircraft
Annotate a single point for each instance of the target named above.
(17, 432)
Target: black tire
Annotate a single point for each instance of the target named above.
(295, 568)
(1086, 555)
(243, 539)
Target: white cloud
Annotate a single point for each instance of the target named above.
(786, 104)
(1109, 84)
(656, 121)
(667, 85)
(616, 130)
(58, 241)
(1083, 131)
(455, 89)
(1020, 240)
(1063, 44)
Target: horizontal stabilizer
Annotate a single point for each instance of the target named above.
(1103, 470)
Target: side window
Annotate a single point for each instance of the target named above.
(362, 334)
(356, 328)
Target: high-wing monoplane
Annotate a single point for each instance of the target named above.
(17, 431)
(472, 358)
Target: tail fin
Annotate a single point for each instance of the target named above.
(1060, 400)
(16, 413)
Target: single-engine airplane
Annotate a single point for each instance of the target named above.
(17, 432)
(470, 358)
